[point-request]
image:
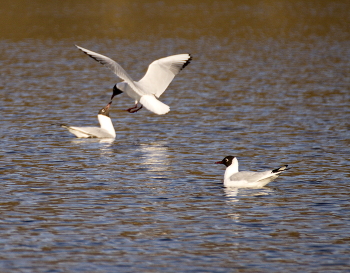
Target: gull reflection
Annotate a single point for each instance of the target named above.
(236, 197)
(106, 148)
(231, 194)
(104, 144)
(106, 140)
(235, 194)
(232, 198)
(155, 157)
(83, 141)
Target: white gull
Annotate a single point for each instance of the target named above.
(146, 91)
(106, 129)
(247, 179)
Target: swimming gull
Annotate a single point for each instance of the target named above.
(247, 179)
(106, 129)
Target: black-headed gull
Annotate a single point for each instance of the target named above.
(237, 179)
(105, 131)
(146, 91)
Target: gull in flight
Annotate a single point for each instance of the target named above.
(106, 129)
(146, 91)
(237, 179)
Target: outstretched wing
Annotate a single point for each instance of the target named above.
(88, 132)
(112, 65)
(161, 72)
(78, 131)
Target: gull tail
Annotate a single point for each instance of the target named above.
(280, 169)
(154, 105)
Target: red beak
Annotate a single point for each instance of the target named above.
(108, 105)
(219, 162)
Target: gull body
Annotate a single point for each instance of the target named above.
(146, 91)
(106, 129)
(246, 179)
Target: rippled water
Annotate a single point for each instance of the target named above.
(152, 200)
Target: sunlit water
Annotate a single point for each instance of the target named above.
(152, 199)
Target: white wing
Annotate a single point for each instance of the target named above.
(258, 177)
(161, 72)
(88, 132)
(250, 177)
(112, 65)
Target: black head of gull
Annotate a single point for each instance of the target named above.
(116, 91)
(227, 161)
(105, 110)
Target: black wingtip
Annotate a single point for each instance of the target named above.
(59, 124)
(280, 169)
(187, 62)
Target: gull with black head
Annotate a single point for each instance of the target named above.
(247, 179)
(146, 91)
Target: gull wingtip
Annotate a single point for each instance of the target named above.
(281, 169)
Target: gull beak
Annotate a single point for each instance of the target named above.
(108, 105)
(219, 162)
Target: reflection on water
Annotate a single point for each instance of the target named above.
(155, 157)
(268, 84)
(85, 143)
(232, 193)
(108, 141)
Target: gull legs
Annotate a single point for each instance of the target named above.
(134, 108)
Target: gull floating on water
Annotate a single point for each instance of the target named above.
(105, 131)
(246, 179)
(146, 91)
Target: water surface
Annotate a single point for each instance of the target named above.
(269, 83)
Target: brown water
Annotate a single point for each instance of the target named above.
(269, 83)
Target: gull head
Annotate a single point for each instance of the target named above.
(116, 91)
(227, 161)
(105, 110)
